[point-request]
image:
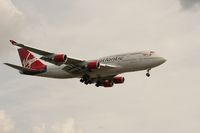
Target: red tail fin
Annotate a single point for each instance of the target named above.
(29, 61)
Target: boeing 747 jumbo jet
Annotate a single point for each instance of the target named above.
(102, 72)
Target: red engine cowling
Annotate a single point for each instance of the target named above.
(93, 65)
(118, 80)
(107, 83)
(58, 58)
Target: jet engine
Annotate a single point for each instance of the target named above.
(107, 83)
(93, 65)
(118, 80)
(58, 58)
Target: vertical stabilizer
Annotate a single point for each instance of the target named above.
(29, 61)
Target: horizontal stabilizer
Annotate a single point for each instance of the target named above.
(24, 70)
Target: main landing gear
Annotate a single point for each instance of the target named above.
(148, 74)
(86, 79)
(99, 83)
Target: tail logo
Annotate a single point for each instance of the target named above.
(28, 62)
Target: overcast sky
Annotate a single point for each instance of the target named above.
(167, 102)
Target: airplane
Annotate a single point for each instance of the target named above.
(101, 72)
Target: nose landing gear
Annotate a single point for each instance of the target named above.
(148, 74)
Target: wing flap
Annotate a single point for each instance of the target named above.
(76, 69)
(74, 61)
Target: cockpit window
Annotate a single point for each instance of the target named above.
(148, 53)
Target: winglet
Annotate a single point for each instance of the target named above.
(13, 42)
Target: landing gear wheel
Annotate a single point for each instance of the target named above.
(86, 82)
(89, 82)
(148, 74)
(97, 85)
(81, 80)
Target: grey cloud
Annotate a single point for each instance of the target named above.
(167, 102)
(68, 126)
(188, 4)
(6, 124)
(12, 21)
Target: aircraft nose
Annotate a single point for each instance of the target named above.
(162, 60)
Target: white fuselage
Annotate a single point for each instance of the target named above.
(128, 62)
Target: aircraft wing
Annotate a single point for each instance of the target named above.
(46, 55)
(72, 65)
(34, 50)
